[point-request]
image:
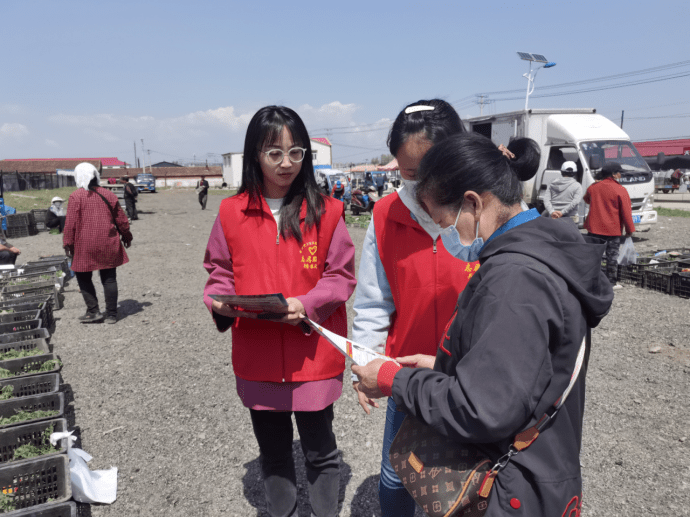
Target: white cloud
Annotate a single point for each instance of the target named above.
(13, 130)
(217, 130)
(52, 143)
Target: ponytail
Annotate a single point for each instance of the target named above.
(471, 162)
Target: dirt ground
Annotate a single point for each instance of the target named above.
(155, 394)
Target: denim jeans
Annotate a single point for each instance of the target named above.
(88, 290)
(613, 244)
(273, 431)
(394, 498)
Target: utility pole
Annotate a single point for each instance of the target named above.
(150, 168)
(135, 153)
(481, 104)
(143, 155)
(622, 113)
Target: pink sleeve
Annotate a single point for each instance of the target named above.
(221, 279)
(338, 280)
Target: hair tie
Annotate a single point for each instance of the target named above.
(418, 108)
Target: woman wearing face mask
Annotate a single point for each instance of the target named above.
(280, 234)
(409, 273)
(511, 346)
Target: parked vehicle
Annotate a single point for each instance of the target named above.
(326, 178)
(363, 200)
(584, 137)
(146, 182)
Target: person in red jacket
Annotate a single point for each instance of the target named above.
(610, 209)
(281, 234)
(409, 278)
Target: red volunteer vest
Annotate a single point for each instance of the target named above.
(263, 262)
(424, 278)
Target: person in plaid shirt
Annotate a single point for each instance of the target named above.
(91, 237)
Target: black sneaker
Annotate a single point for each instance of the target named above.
(91, 317)
(110, 320)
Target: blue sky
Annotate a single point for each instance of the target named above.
(89, 78)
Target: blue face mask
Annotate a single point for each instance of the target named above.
(452, 243)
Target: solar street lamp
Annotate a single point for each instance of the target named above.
(532, 74)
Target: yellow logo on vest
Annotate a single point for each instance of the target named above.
(309, 258)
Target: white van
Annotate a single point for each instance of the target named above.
(584, 137)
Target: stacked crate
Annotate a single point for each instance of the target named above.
(34, 477)
(665, 271)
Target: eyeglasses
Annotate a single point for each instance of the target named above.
(275, 156)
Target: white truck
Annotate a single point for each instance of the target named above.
(584, 137)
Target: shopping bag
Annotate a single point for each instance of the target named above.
(98, 486)
(627, 254)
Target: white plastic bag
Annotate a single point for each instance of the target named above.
(88, 486)
(627, 254)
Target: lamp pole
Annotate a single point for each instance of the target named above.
(532, 74)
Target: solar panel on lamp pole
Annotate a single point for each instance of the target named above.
(532, 74)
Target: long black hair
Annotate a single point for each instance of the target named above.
(434, 124)
(265, 128)
(472, 162)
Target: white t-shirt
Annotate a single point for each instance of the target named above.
(275, 204)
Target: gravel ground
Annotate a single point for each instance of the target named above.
(155, 395)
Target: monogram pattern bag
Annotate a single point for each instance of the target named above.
(449, 478)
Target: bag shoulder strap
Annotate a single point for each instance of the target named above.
(112, 210)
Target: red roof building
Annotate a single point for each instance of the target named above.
(106, 162)
(322, 140)
(667, 147)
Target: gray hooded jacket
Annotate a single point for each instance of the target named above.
(563, 194)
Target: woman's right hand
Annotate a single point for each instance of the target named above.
(364, 401)
(230, 311)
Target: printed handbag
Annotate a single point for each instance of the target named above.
(443, 476)
(450, 478)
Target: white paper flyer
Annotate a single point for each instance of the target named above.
(360, 355)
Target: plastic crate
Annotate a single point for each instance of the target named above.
(15, 436)
(15, 232)
(35, 276)
(20, 316)
(51, 509)
(634, 273)
(33, 385)
(25, 304)
(34, 290)
(40, 219)
(19, 366)
(680, 284)
(41, 304)
(60, 262)
(22, 336)
(54, 401)
(20, 219)
(659, 279)
(26, 345)
(35, 481)
(26, 325)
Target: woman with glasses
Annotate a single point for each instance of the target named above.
(281, 234)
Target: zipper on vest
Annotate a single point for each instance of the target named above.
(435, 245)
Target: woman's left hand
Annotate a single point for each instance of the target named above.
(368, 378)
(296, 312)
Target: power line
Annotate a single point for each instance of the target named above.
(601, 88)
(599, 79)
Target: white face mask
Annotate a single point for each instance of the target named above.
(451, 241)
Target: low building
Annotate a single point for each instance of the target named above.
(233, 162)
(172, 176)
(106, 162)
